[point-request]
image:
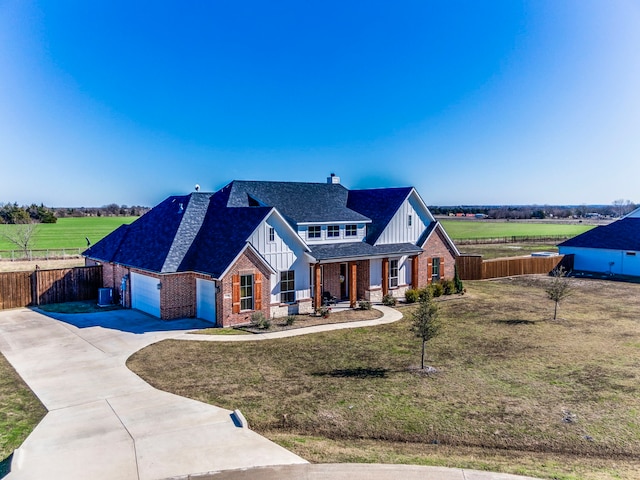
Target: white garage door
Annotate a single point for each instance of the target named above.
(145, 294)
(206, 299)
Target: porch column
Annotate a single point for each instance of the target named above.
(385, 276)
(415, 270)
(353, 284)
(317, 280)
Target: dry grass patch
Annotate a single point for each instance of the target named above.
(510, 382)
(20, 410)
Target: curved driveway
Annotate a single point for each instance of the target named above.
(104, 422)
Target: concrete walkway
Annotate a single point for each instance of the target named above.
(389, 315)
(104, 422)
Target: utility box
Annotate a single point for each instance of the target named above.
(105, 297)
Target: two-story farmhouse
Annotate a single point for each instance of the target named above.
(275, 247)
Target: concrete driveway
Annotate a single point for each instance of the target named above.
(104, 422)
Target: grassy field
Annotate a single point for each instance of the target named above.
(468, 229)
(70, 232)
(20, 410)
(515, 391)
(501, 250)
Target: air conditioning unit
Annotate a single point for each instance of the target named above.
(105, 297)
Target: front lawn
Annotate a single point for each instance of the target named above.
(515, 391)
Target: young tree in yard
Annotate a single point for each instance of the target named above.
(558, 288)
(21, 235)
(425, 323)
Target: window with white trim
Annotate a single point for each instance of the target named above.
(314, 231)
(351, 230)
(287, 287)
(246, 292)
(435, 268)
(393, 273)
(333, 231)
(409, 220)
(272, 234)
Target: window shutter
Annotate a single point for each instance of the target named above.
(257, 291)
(429, 269)
(442, 267)
(235, 293)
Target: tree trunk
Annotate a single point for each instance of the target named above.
(422, 359)
(555, 311)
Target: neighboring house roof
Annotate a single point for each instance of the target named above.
(297, 202)
(361, 249)
(379, 204)
(623, 234)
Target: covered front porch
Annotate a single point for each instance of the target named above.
(343, 283)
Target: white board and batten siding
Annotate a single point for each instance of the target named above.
(145, 294)
(206, 299)
(285, 252)
(617, 262)
(398, 230)
(404, 271)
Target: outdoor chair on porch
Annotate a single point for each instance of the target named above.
(328, 299)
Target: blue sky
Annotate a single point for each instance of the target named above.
(472, 102)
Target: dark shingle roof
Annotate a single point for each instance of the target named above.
(361, 249)
(379, 204)
(222, 237)
(146, 242)
(195, 232)
(296, 201)
(622, 234)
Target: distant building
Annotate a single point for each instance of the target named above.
(612, 249)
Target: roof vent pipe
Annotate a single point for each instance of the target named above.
(333, 179)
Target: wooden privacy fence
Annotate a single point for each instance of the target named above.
(473, 267)
(22, 289)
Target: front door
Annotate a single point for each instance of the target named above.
(344, 282)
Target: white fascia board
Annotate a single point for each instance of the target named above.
(446, 236)
(421, 202)
(252, 248)
(275, 212)
(342, 222)
(634, 214)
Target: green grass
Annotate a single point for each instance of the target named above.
(70, 232)
(468, 229)
(20, 410)
(508, 379)
(87, 306)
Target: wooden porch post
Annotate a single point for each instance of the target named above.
(353, 284)
(385, 276)
(415, 272)
(317, 294)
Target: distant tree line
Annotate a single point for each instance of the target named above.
(522, 212)
(12, 213)
(111, 210)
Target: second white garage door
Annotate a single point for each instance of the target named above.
(206, 299)
(145, 294)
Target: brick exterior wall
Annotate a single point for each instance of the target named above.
(178, 295)
(436, 246)
(331, 279)
(248, 263)
(112, 275)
